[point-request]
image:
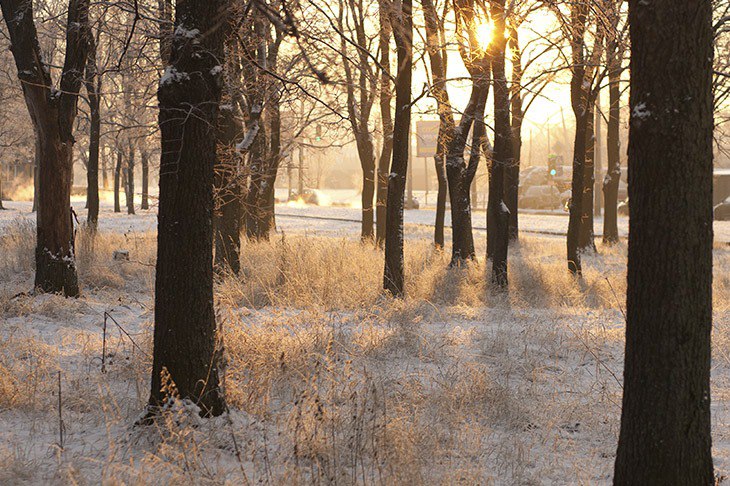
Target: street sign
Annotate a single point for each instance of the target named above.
(427, 132)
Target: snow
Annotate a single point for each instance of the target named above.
(640, 111)
(172, 75)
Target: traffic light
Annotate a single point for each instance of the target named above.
(552, 166)
(318, 137)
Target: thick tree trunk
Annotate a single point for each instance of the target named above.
(393, 276)
(117, 179)
(577, 184)
(52, 114)
(145, 179)
(497, 211)
(665, 419)
(186, 348)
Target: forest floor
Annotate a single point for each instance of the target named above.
(327, 380)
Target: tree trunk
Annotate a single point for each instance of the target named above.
(585, 233)
(53, 114)
(512, 179)
(393, 276)
(613, 142)
(186, 347)
(145, 179)
(117, 179)
(665, 418)
(437, 56)
(386, 115)
(129, 187)
(497, 211)
(93, 88)
(228, 193)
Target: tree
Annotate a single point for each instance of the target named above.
(665, 417)
(436, 46)
(386, 117)
(185, 345)
(460, 175)
(393, 277)
(614, 57)
(52, 113)
(92, 82)
(497, 211)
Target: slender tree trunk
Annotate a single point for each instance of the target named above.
(268, 193)
(228, 193)
(393, 276)
(186, 348)
(93, 88)
(104, 168)
(117, 179)
(386, 98)
(665, 418)
(437, 56)
(129, 187)
(585, 233)
(613, 142)
(145, 179)
(512, 180)
(497, 211)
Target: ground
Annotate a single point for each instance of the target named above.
(326, 379)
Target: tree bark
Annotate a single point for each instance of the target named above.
(386, 116)
(52, 113)
(613, 142)
(393, 276)
(665, 418)
(497, 211)
(512, 178)
(437, 56)
(117, 179)
(93, 90)
(585, 233)
(145, 159)
(129, 187)
(186, 346)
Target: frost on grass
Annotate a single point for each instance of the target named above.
(327, 380)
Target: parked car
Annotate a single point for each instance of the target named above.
(540, 197)
(721, 212)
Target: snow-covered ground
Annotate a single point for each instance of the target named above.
(332, 220)
(327, 380)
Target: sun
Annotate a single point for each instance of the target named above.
(485, 32)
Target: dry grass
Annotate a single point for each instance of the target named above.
(328, 380)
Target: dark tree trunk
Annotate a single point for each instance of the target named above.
(53, 114)
(253, 209)
(585, 234)
(104, 168)
(117, 179)
(459, 174)
(497, 211)
(129, 186)
(579, 100)
(186, 347)
(393, 276)
(268, 193)
(93, 88)
(145, 179)
(228, 193)
(512, 179)
(386, 116)
(613, 143)
(437, 55)
(665, 419)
